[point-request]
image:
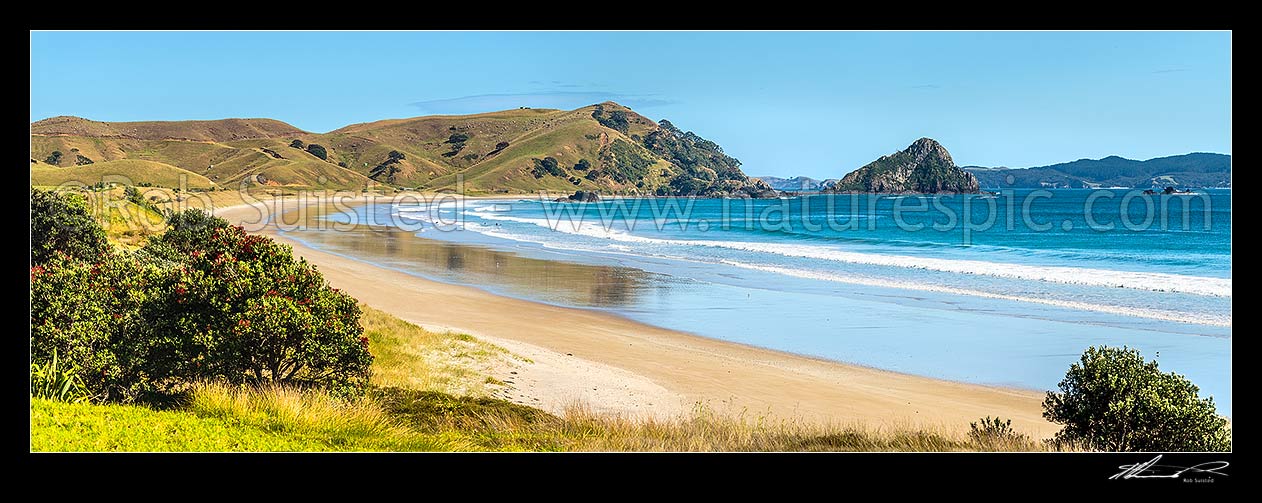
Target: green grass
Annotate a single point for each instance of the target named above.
(62, 427)
(122, 171)
(408, 356)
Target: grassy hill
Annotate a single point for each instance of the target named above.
(605, 147)
(122, 171)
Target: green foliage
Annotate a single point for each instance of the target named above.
(243, 310)
(88, 312)
(57, 381)
(205, 301)
(623, 161)
(617, 120)
(457, 141)
(388, 168)
(547, 166)
(134, 196)
(80, 160)
(62, 224)
(318, 151)
(297, 144)
(582, 165)
(1114, 400)
(54, 158)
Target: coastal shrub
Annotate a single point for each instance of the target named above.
(241, 309)
(996, 434)
(616, 120)
(318, 151)
(61, 222)
(80, 160)
(624, 161)
(297, 144)
(1114, 400)
(53, 158)
(547, 166)
(203, 301)
(88, 313)
(582, 165)
(457, 138)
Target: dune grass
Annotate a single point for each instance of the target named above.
(408, 356)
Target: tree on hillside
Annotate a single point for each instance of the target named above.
(318, 151)
(53, 158)
(1113, 400)
(297, 144)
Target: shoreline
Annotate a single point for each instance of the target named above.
(615, 365)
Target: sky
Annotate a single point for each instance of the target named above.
(819, 104)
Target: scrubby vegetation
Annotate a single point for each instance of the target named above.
(318, 151)
(1114, 400)
(388, 168)
(546, 166)
(203, 301)
(623, 161)
(616, 120)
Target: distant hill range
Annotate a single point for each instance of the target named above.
(1188, 170)
(924, 167)
(605, 148)
(797, 183)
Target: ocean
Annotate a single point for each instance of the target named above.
(1001, 290)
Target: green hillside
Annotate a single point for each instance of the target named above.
(605, 147)
(122, 172)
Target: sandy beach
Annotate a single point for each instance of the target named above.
(615, 365)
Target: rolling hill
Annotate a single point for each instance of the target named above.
(605, 147)
(122, 171)
(1188, 170)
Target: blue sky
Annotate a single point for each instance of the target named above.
(786, 103)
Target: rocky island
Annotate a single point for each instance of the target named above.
(924, 167)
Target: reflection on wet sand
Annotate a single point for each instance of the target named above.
(561, 282)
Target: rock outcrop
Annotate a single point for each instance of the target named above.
(924, 167)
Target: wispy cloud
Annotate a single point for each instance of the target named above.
(1171, 70)
(537, 99)
(927, 86)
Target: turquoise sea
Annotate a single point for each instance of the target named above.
(1004, 290)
